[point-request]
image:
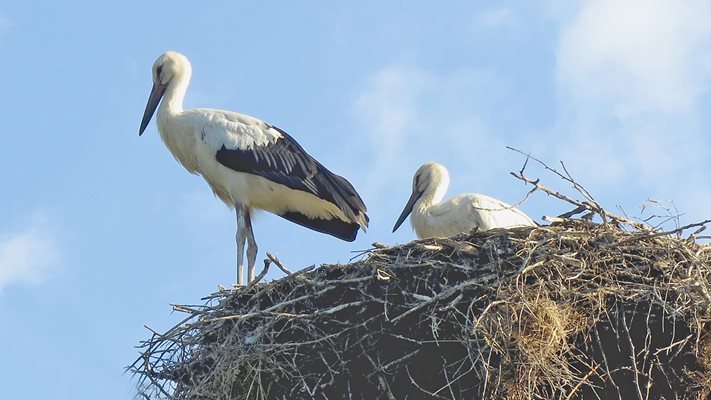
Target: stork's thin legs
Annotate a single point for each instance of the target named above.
(251, 248)
(244, 233)
(240, 237)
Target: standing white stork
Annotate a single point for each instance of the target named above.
(460, 214)
(249, 164)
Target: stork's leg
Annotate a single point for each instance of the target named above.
(240, 237)
(251, 247)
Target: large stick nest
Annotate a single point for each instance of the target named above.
(570, 310)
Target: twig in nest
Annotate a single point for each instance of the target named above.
(590, 205)
(576, 185)
(279, 264)
(569, 214)
(678, 230)
(261, 274)
(670, 215)
(566, 177)
(582, 382)
(593, 207)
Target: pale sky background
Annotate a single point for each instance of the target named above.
(100, 230)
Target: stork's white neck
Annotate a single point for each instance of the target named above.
(174, 95)
(433, 194)
(425, 206)
(428, 204)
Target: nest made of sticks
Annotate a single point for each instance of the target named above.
(570, 310)
(561, 311)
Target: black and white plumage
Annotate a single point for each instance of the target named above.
(249, 164)
(460, 214)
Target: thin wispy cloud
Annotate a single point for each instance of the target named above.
(632, 75)
(27, 256)
(414, 116)
(637, 55)
(388, 106)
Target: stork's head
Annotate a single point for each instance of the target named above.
(430, 182)
(170, 71)
(430, 176)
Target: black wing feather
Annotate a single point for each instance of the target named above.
(287, 163)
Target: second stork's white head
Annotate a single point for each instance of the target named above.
(429, 186)
(171, 76)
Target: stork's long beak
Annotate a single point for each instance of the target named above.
(153, 100)
(416, 194)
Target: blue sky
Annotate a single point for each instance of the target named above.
(100, 230)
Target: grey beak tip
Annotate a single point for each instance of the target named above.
(408, 209)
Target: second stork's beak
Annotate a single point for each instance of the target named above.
(416, 194)
(153, 100)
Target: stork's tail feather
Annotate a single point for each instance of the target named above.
(335, 227)
(347, 199)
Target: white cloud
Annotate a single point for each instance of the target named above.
(632, 77)
(27, 256)
(638, 55)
